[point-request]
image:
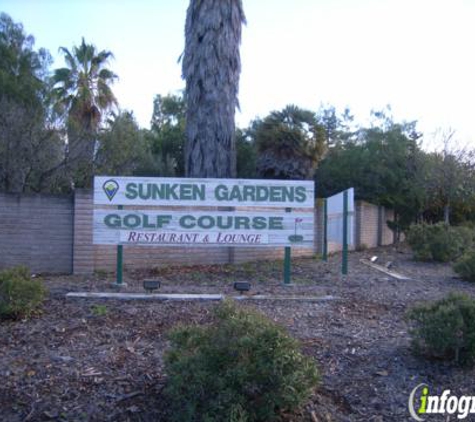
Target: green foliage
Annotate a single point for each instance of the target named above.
(122, 147)
(445, 329)
(99, 310)
(465, 266)
(29, 146)
(83, 95)
(167, 135)
(167, 141)
(290, 143)
(338, 126)
(439, 242)
(20, 296)
(450, 180)
(22, 69)
(384, 165)
(243, 367)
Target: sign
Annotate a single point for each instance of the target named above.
(202, 228)
(335, 202)
(335, 218)
(203, 192)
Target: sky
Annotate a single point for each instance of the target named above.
(418, 56)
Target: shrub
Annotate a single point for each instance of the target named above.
(99, 310)
(243, 367)
(445, 329)
(465, 266)
(20, 296)
(439, 242)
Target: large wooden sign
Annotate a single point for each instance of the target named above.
(204, 192)
(173, 228)
(192, 227)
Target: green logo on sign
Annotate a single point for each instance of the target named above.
(110, 187)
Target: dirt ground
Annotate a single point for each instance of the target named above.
(89, 360)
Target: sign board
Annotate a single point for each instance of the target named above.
(203, 192)
(171, 227)
(335, 217)
(202, 228)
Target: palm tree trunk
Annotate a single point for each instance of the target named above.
(211, 68)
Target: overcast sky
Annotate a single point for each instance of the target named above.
(416, 55)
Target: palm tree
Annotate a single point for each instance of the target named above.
(83, 95)
(211, 68)
(290, 143)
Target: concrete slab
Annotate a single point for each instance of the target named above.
(181, 296)
(143, 296)
(384, 270)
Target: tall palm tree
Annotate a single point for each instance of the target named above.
(83, 95)
(211, 68)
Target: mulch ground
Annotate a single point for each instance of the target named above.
(84, 360)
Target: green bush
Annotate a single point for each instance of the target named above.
(465, 266)
(445, 329)
(243, 367)
(20, 296)
(439, 242)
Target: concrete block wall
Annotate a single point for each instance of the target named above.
(83, 249)
(371, 229)
(36, 231)
(366, 225)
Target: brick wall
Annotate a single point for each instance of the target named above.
(36, 231)
(367, 220)
(371, 225)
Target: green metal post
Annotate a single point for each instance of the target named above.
(287, 281)
(344, 261)
(325, 230)
(119, 270)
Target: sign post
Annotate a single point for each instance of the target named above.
(119, 263)
(287, 260)
(325, 230)
(344, 261)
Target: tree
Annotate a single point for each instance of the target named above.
(246, 154)
(23, 71)
(290, 143)
(122, 147)
(167, 134)
(385, 166)
(211, 68)
(83, 96)
(29, 145)
(450, 178)
(338, 126)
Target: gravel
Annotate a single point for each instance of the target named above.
(97, 360)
